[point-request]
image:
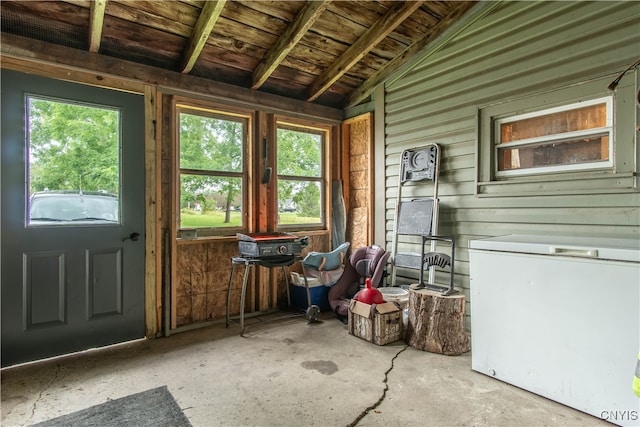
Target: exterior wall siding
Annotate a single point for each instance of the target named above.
(518, 49)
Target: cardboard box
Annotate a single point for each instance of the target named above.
(377, 323)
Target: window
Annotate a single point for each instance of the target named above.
(576, 139)
(300, 175)
(211, 169)
(74, 163)
(573, 137)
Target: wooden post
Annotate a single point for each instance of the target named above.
(436, 323)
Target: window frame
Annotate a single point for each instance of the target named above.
(28, 98)
(222, 112)
(558, 137)
(619, 177)
(325, 131)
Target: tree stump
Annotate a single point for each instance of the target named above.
(436, 323)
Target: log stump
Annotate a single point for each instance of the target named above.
(436, 323)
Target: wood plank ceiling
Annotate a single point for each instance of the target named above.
(332, 53)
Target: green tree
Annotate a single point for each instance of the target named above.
(209, 145)
(308, 200)
(299, 155)
(73, 147)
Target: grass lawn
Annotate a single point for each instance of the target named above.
(216, 219)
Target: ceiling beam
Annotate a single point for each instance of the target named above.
(397, 13)
(96, 21)
(208, 16)
(409, 53)
(57, 61)
(287, 41)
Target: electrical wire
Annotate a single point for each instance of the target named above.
(614, 84)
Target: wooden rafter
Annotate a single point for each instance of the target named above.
(247, 43)
(392, 66)
(397, 13)
(287, 41)
(95, 24)
(210, 13)
(62, 62)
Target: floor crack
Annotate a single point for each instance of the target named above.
(384, 392)
(45, 388)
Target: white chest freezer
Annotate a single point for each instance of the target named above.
(560, 317)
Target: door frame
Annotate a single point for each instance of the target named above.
(136, 326)
(152, 164)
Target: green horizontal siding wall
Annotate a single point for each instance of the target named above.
(517, 49)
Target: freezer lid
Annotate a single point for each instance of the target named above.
(586, 247)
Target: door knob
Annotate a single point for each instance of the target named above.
(133, 236)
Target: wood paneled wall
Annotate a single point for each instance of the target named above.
(205, 264)
(357, 134)
(203, 270)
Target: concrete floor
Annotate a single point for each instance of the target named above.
(283, 372)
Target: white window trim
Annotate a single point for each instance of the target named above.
(607, 129)
(622, 177)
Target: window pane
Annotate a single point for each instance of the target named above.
(299, 202)
(209, 201)
(299, 153)
(208, 143)
(74, 158)
(211, 168)
(576, 151)
(590, 117)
